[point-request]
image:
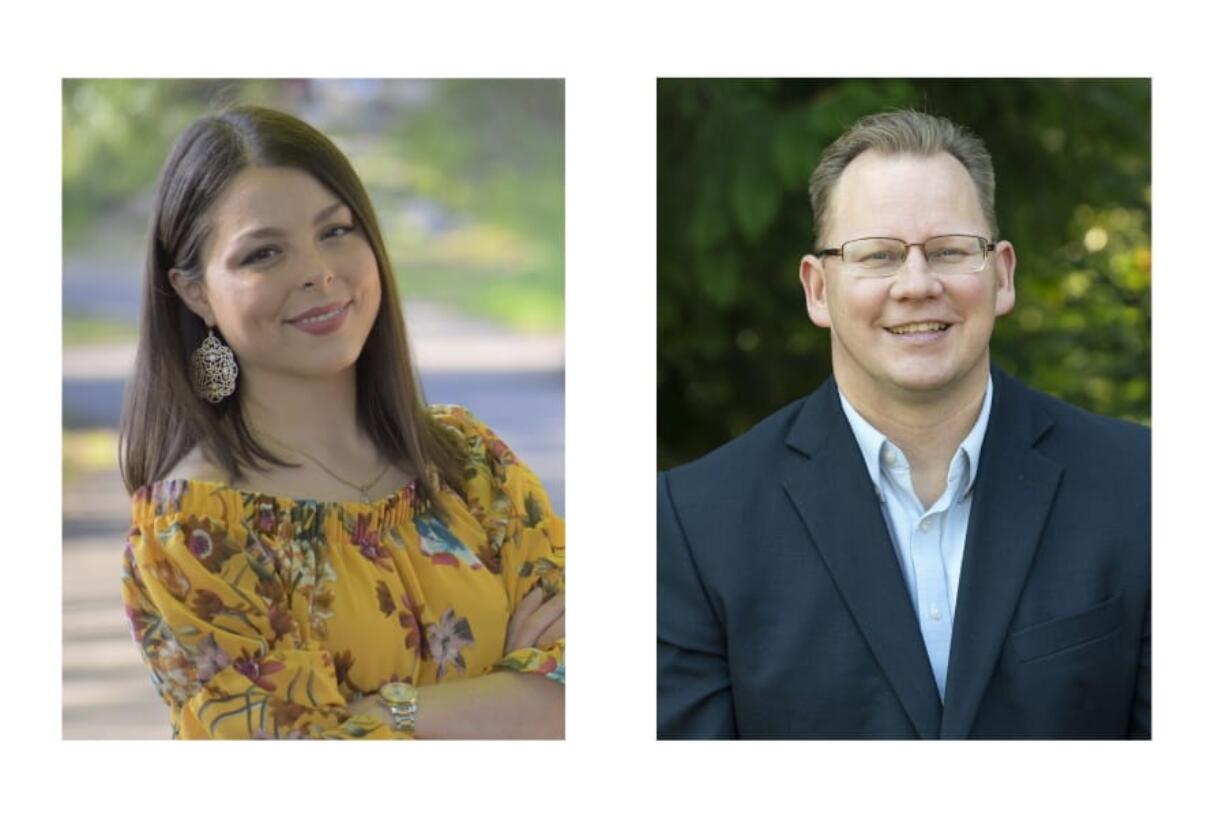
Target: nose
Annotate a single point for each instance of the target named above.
(317, 271)
(915, 278)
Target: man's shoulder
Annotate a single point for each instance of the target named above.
(742, 460)
(1072, 432)
(1082, 420)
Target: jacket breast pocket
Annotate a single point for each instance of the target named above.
(1068, 632)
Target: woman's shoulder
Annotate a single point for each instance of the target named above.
(501, 490)
(455, 417)
(195, 466)
(189, 488)
(479, 440)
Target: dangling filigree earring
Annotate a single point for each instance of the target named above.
(214, 370)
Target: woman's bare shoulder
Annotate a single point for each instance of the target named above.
(196, 466)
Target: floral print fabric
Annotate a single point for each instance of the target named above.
(261, 616)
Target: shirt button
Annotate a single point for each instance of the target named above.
(925, 525)
(934, 613)
(890, 457)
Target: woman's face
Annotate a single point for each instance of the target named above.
(289, 279)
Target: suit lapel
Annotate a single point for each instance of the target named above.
(1013, 492)
(829, 486)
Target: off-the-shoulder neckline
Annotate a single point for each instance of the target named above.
(214, 486)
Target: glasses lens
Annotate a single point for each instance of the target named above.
(874, 256)
(955, 253)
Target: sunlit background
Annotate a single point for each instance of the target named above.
(467, 179)
(1072, 161)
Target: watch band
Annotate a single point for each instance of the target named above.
(401, 701)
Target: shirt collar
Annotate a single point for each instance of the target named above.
(872, 442)
(973, 444)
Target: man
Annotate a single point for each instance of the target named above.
(923, 547)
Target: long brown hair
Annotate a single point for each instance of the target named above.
(163, 419)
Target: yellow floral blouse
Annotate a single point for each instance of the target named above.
(260, 616)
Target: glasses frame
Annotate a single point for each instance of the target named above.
(988, 246)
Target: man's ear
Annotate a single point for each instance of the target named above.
(191, 292)
(1005, 263)
(813, 279)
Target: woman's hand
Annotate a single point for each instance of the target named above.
(500, 704)
(373, 706)
(536, 622)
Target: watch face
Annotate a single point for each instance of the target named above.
(397, 692)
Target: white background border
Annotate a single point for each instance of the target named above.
(610, 57)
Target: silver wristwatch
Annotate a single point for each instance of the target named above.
(401, 700)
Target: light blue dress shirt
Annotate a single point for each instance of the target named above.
(929, 542)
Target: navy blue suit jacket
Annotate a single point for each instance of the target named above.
(782, 611)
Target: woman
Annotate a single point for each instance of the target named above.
(315, 553)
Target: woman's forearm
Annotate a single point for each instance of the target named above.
(498, 705)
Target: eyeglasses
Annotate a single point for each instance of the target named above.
(882, 257)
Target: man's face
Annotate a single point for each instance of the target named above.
(913, 198)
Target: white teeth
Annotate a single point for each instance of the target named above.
(327, 316)
(912, 328)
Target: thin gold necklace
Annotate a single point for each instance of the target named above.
(363, 490)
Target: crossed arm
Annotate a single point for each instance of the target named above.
(499, 705)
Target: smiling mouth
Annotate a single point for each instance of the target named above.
(917, 328)
(321, 318)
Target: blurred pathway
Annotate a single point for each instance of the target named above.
(512, 382)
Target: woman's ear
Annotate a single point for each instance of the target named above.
(192, 293)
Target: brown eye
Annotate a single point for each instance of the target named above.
(262, 254)
(338, 231)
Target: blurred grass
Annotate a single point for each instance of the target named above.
(82, 330)
(89, 451)
(521, 303)
(481, 269)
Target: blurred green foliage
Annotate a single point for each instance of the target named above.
(116, 134)
(495, 155)
(1072, 162)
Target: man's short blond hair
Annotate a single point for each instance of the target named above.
(897, 132)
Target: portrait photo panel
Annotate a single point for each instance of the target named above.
(903, 408)
(314, 406)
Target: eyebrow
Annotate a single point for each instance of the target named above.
(268, 232)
